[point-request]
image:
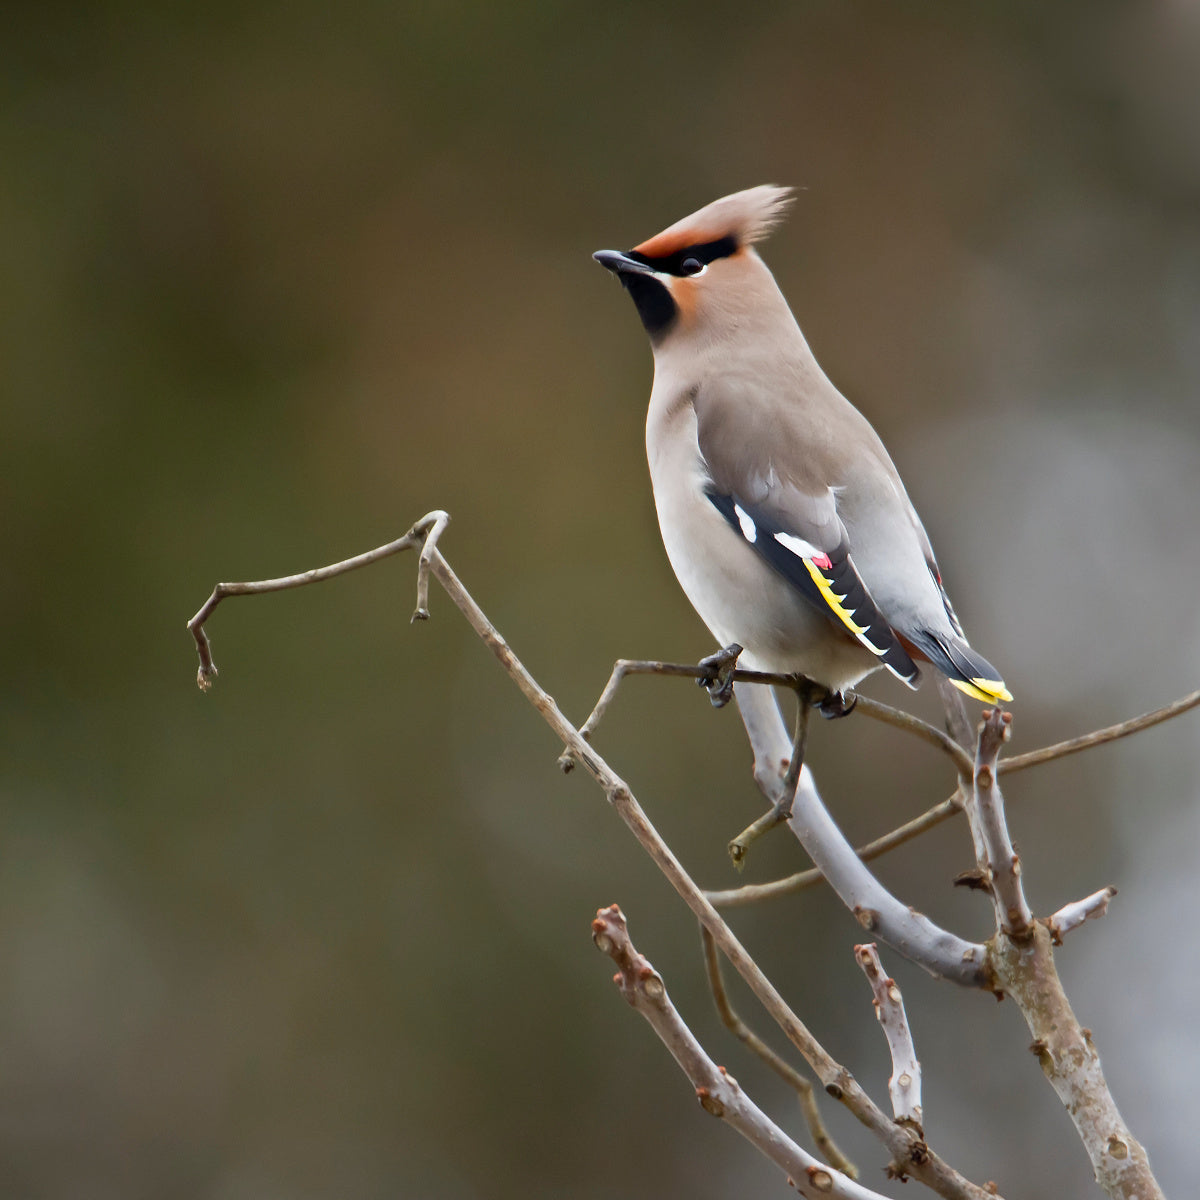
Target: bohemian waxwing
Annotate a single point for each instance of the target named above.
(782, 514)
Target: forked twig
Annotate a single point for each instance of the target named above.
(752, 893)
(803, 1087)
(424, 534)
(875, 709)
(896, 717)
(718, 1092)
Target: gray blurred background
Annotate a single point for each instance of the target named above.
(282, 278)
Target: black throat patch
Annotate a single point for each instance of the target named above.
(653, 299)
(654, 302)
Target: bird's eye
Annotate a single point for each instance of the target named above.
(691, 266)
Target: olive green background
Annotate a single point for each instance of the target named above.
(279, 279)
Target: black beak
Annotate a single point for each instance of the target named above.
(621, 264)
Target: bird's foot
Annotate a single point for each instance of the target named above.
(837, 704)
(718, 677)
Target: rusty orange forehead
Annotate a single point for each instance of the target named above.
(671, 241)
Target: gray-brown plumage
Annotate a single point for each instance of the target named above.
(781, 512)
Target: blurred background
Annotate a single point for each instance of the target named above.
(282, 278)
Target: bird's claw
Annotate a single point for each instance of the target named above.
(718, 680)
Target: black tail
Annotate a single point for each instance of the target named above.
(968, 671)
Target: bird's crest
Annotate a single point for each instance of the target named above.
(747, 217)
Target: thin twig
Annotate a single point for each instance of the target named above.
(781, 811)
(899, 719)
(752, 893)
(1100, 736)
(424, 533)
(805, 1092)
(875, 709)
(998, 861)
(1072, 915)
(896, 717)
(718, 1092)
(432, 533)
(904, 1086)
(804, 703)
(739, 846)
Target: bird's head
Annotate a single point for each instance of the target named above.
(703, 269)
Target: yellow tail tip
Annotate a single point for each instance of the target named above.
(990, 691)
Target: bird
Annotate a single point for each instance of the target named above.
(782, 514)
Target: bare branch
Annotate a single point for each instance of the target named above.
(821, 1137)
(432, 533)
(874, 709)
(621, 668)
(424, 532)
(910, 1155)
(1071, 916)
(1101, 736)
(718, 1092)
(904, 1086)
(752, 893)
(899, 719)
(985, 810)
(1025, 971)
(1023, 968)
(941, 953)
(781, 810)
